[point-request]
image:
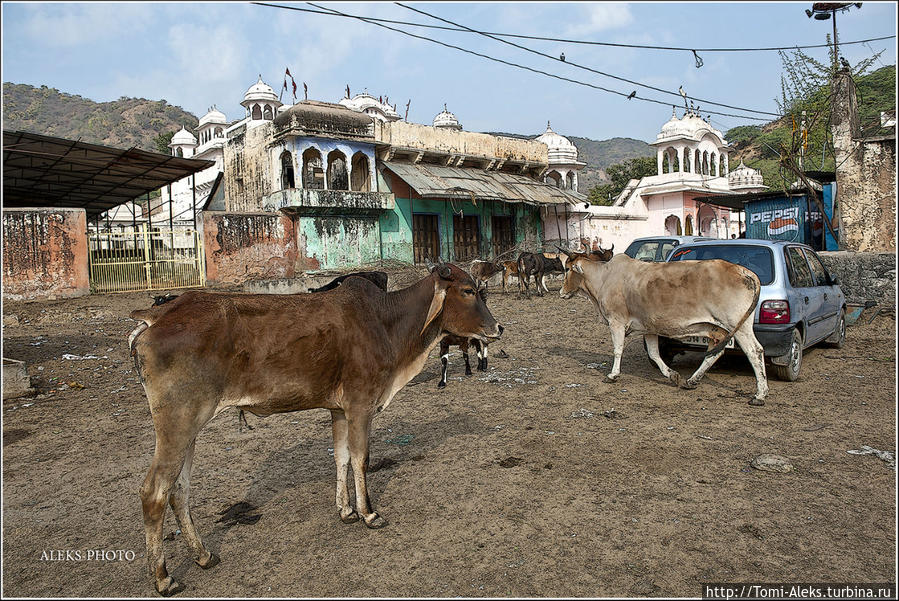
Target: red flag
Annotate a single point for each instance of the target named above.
(305, 91)
(287, 72)
(294, 89)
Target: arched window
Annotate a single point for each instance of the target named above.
(179, 152)
(361, 178)
(687, 160)
(257, 113)
(688, 228)
(553, 178)
(705, 162)
(672, 225)
(337, 174)
(219, 132)
(267, 113)
(570, 184)
(287, 179)
(313, 172)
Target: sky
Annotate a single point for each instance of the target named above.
(195, 55)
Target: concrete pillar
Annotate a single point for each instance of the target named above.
(660, 160)
(726, 165)
(680, 159)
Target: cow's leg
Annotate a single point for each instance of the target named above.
(745, 337)
(342, 459)
(538, 282)
(444, 361)
(179, 499)
(707, 363)
(523, 281)
(464, 348)
(618, 332)
(359, 425)
(165, 469)
(652, 347)
(482, 355)
(543, 283)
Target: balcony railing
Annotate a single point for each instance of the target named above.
(328, 201)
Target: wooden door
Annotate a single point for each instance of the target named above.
(466, 237)
(425, 238)
(503, 235)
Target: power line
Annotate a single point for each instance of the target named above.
(584, 42)
(508, 63)
(562, 60)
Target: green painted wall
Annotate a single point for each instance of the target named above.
(339, 241)
(396, 225)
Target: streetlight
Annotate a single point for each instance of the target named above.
(822, 11)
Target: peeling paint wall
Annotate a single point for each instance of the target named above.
(248, 168)
(396, 225)
(866, 176)
(245, 246)
(336, 242)
(45, 254)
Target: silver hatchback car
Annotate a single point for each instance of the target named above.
(800, 305)
(656, 248)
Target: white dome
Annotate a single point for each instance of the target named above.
(561, 150)
(183, 137)
(213, 116)
(690, 126)
(368, 104)
(447, 119)
(744, 177)
(260, 91)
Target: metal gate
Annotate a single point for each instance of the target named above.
(142, 259)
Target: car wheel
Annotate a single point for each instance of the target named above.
(838, 338)
(790, 371)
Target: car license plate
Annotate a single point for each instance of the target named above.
(703, 341)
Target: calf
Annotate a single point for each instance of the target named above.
(511, 270)
(551, 264)
(716, 299)
(378, 278)
(530, 264)
(348, 350)
(482, 271)
(463, 344)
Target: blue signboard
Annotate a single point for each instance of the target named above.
(795, 218)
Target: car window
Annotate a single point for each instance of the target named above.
(666, 248)
(818, 270)
(647, 251)
(801, 276)
(757, 258)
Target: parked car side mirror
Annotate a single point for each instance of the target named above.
(834, 280)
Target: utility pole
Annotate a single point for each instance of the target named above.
(803, 138)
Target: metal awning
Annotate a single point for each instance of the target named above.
(736, 201)
(43, 171)
(436, 181)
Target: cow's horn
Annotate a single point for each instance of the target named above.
(445, 272)
(567, 253)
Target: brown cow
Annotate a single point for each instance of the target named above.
(348, 350)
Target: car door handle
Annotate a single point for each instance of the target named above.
(806, 300)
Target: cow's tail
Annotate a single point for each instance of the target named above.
(752, 281)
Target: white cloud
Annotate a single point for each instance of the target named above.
(601, 17)
(67, 25)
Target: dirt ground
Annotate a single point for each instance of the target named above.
(534, 479)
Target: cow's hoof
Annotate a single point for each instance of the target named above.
(211, 561)
(757, 402)
(468, 371)
(688, 385)
(350, 518)
(441, 384)
(168, 587)
(376, 522)
(610, 379)
(674, 377)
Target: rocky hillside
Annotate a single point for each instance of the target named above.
(123, 123)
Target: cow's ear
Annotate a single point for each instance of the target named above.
(482, 292)
(436, 305)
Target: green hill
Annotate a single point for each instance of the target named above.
(123, 123)
(757, 145)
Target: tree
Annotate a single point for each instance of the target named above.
(619, 175)
(162, 142)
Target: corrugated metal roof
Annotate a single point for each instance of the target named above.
(44, 171)
(435, 181)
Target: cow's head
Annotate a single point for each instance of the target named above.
(460, 305)
(574, 273)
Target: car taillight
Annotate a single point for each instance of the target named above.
(774, 311)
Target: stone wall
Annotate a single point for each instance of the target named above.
(244, 246)
(45, 254)
(866, 176)
(864, 275)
